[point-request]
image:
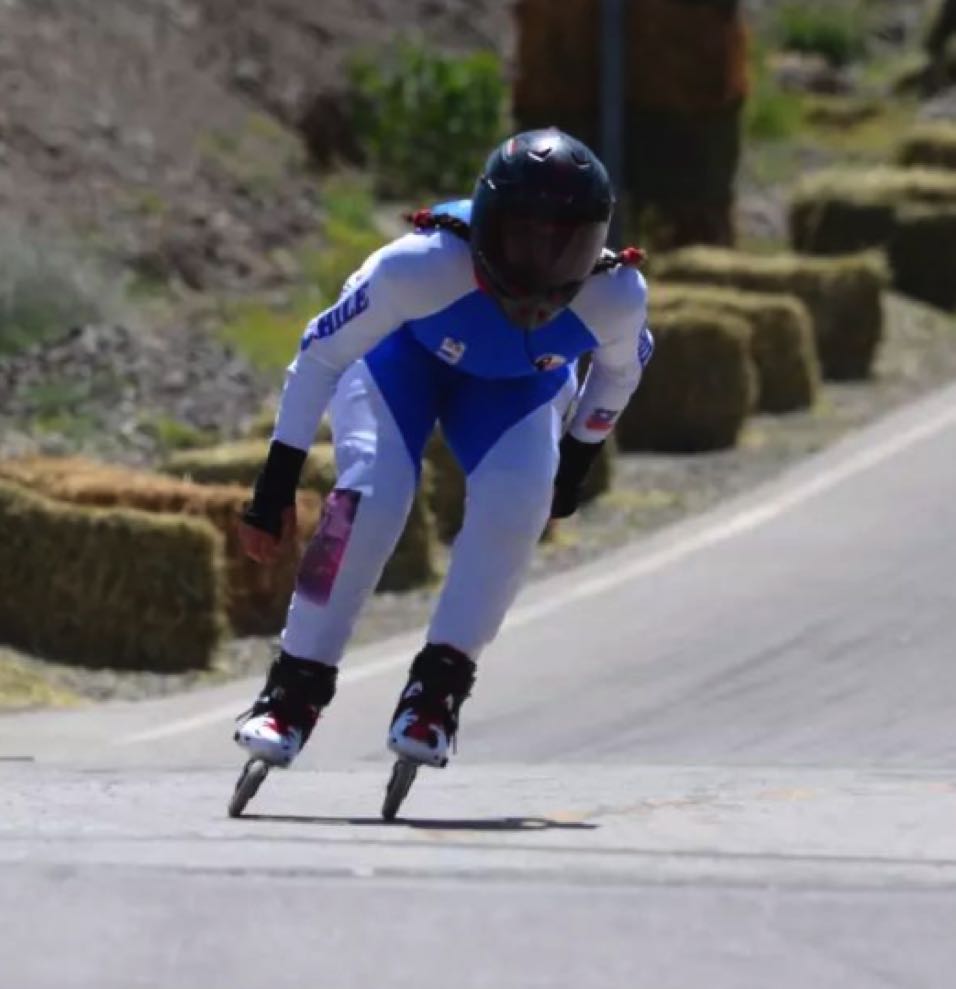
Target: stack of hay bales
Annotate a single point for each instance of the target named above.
(685, 80)
(558, 68)
(842, 295)
(109, 587)
(928, 145)
(922, 246)
(699, 388)
(413, 562)
(781, 338)
(257, 596)
(909, 210)
(922, 254)
(843, 210)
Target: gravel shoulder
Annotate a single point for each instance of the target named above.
(650, 491)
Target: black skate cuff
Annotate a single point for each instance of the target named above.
(275, 488)
(576, 460)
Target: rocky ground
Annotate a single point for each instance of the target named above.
(114, 393)
(177, 142)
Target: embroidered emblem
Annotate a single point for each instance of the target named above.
(549, 362)
(451, 350)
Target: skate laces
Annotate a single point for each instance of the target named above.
(295, 692)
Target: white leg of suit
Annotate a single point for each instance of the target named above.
(373, 460)
(508, 504)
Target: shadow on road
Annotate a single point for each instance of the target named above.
(435, 824)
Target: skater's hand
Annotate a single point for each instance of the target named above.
(264, 547)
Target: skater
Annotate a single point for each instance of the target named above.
(475, 321)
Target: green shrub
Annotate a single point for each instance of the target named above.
(427, 120)
(268, 333)
(173, 434)
(43, 293)
(771, 113)
(699, 389)
(834, 30)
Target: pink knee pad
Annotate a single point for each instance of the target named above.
(323, 557)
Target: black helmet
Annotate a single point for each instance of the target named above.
(539, 221)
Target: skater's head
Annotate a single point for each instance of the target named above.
(539, 222)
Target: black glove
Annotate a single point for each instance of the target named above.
(573, 467)
(274, 489)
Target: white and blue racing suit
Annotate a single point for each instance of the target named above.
(413, 341)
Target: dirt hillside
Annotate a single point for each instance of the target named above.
(167, 133)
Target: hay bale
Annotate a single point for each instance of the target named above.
(257, 595)
(413, 562)
(922, 254)
(698, 390)
(843, 296)
(684, 87)
(781, 338)
(240, 463)
(929, 145)
(109, 587)
(557, 66)
(843, 210)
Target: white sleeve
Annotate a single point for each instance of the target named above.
(625, 345)
(387, 290)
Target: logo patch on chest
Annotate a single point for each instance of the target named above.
(550, 362)
(451, 350)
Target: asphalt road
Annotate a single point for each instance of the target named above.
(724, 757)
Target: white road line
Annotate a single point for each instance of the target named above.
(744, 521)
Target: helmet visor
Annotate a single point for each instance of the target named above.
(534, 257)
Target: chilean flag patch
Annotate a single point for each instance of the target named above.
(601, 420)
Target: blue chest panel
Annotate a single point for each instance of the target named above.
(473, 336)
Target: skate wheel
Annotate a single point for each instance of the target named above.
(250, 779)
(400, 782)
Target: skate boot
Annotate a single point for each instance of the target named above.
(426, 718)
(280, 721)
